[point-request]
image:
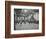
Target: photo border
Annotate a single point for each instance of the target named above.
(8, 19)
(25, 31)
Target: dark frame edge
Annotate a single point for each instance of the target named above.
(43, 19)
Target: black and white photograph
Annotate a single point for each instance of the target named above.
(26, 19)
